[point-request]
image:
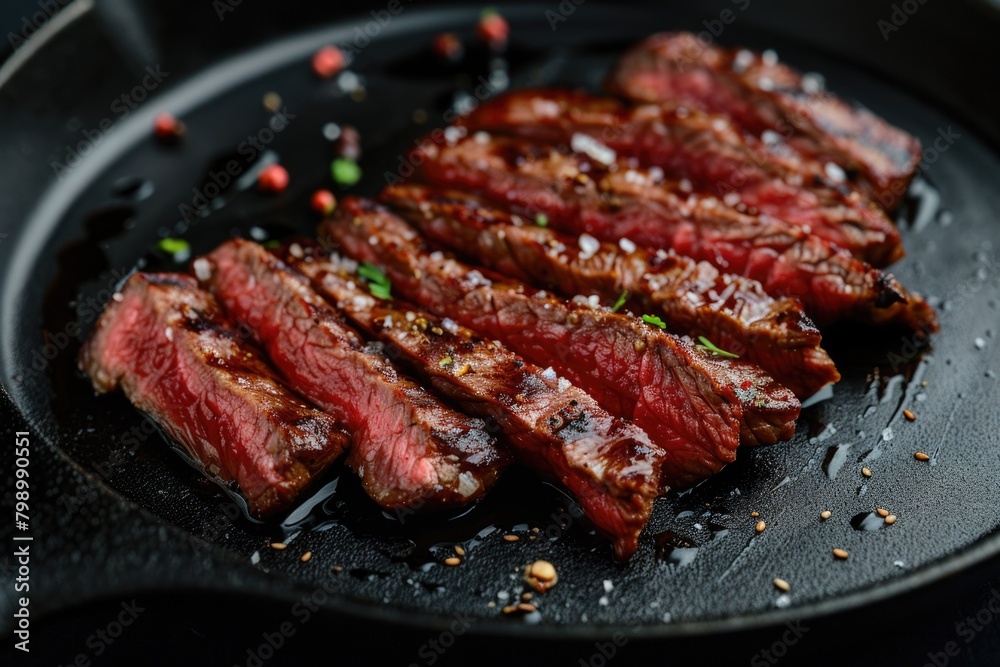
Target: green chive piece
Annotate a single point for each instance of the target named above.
(654, 320)
(273, 243)
(378, 283)
(173, 246)
(708, 345)
(620, 302)
(542, 220)
(345, 171)
(445, 362)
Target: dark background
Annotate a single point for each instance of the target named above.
(948, 47)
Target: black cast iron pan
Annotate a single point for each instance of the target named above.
(119, 511)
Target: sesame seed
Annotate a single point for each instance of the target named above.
(920, 456)
(511, 538)
(825, 514)
(453, 561)
(760, 526)
(306, 556)
(782, 585)
(755, 514)
(491, 604)
(866, 472)
(840, 553)
(527, 596)
(909, 415)
(891, 519)
(278, 545)
(463, 369)
(459, 550)
(510, 609)
(527, 607)
(882, 513)
(337, 568)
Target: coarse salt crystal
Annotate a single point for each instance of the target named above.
(202, 269)
(589, 245)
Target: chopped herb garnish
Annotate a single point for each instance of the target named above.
(345, 171)
(542, 220)
(445, 362)
(173, 246)
(654, 320)
(623, 297)
(706, 344)
(273, 243)
(379, 291)
(378, 283)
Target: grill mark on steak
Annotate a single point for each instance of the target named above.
(165, 343)
(609, 465)
(693, 297)
(579, 195)
(709, 154)
(694, 404)
(409, 449)
(762, 95)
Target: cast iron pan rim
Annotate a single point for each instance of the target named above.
(291, 48)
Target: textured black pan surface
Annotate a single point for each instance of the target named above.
(701, 566)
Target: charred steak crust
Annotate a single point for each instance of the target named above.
(762, 95)
(409, 448)
(166, 344)
(577, 195)
(609, 465)
(694, 298)
(683, 397)
(703, 153)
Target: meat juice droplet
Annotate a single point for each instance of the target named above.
(674, 548)
(868, 521)
(836, 456)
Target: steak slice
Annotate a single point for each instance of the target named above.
(578, 195)
(762, 95)
(707, 153)
(609, 465)
(697, 406)
(409, 449)
(692, 297)
(166, 344)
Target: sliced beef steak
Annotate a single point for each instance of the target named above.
(409, 448)
(609, 465)
(766, 98)
(692, 297)
(694, 404)
(166, 344)
(698, 152)
(578, 195)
